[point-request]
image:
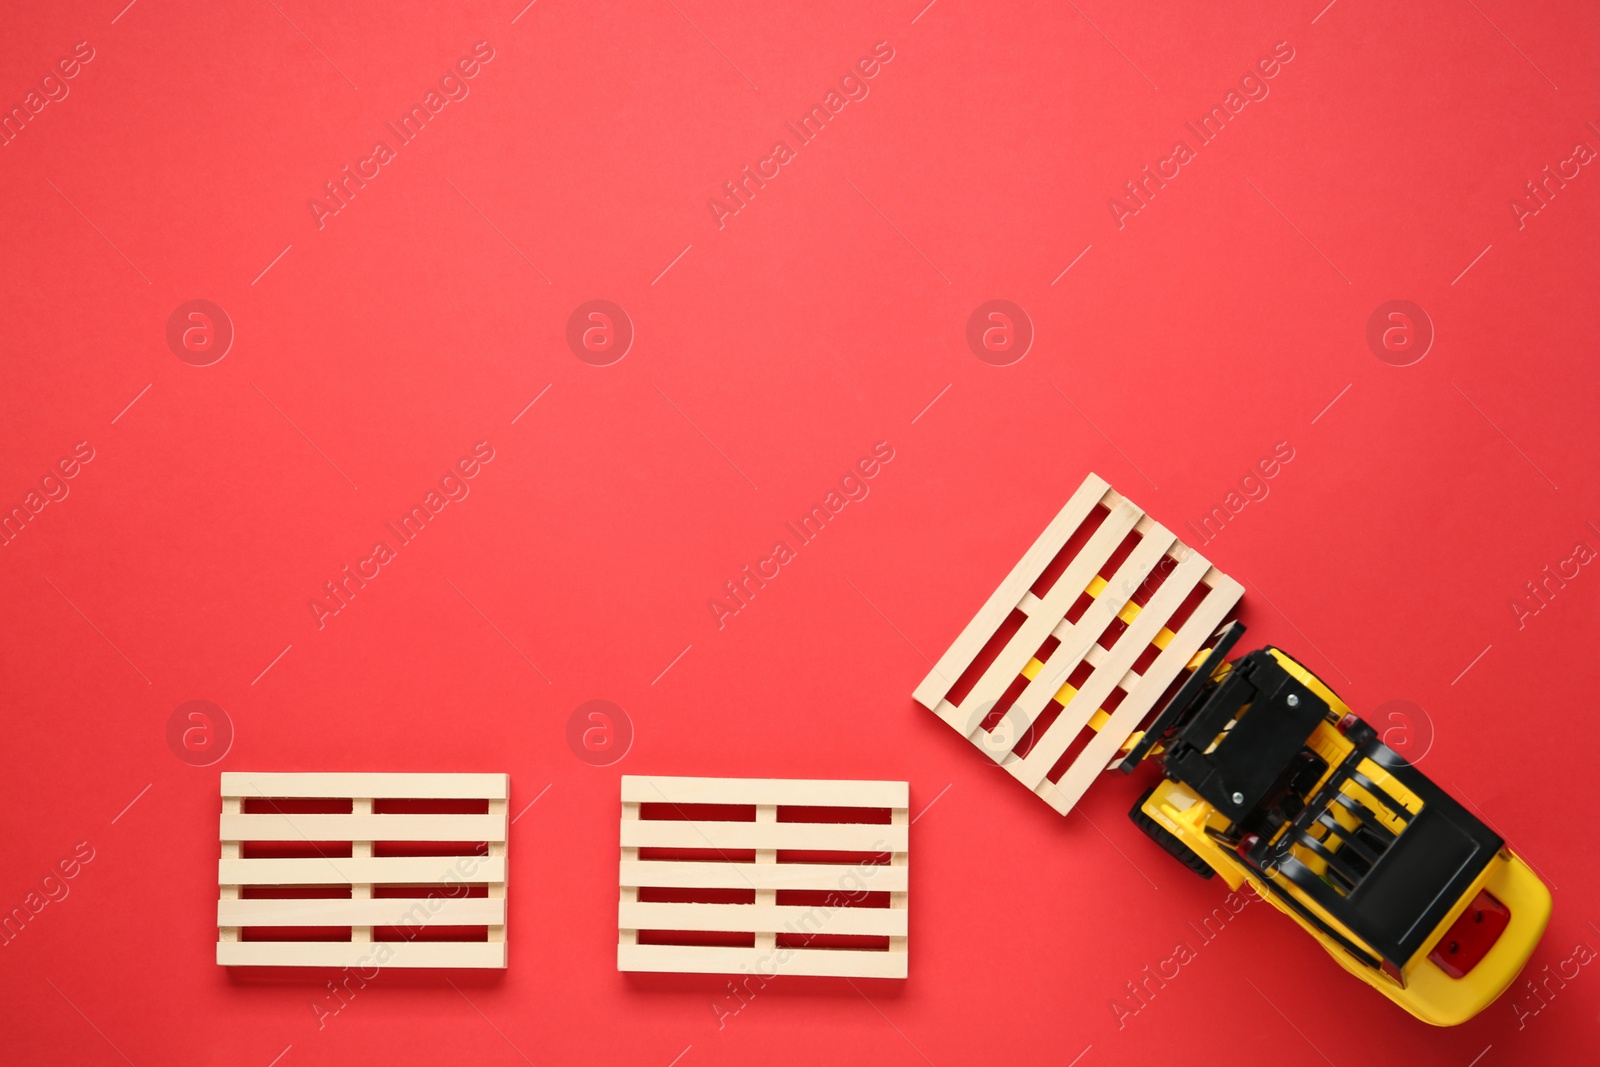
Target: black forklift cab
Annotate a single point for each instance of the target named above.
(1238, 738)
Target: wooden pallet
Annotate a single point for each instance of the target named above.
(1009, 707)
(260, 893)
(789, 907)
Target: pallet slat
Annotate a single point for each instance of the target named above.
(844, 909)
(815, 962)
(1110, 637)
(345, 870)
(787, 792)
(797, 836)
(775, 918)
(451, 954)
(668, 874)
(387, 911)
(272, 826)
(439, 906)
(378, 785)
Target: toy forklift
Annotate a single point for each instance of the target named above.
(1271, 781)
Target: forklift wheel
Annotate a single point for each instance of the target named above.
(1167, 840)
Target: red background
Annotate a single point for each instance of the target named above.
(824, 317)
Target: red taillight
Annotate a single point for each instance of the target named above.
(1471, 936)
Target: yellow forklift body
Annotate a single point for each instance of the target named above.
(1420, 986)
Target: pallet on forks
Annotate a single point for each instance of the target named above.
(1092, 627)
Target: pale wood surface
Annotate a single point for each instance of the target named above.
(959, 656)
(363, 826)
(673, 874)
(1102, 749)
(1110, 657)
(765, 876)
(381, 785)
(496, 890)
(361, 808)
(766, 816)
(1054, 605)
(627, 933)
(1124, 651)
(386, 911)
(345, 870)
(451, 954)
(1084, 635)
(439, 881)
(696, 959)
(884, 922)
(228, 888)
(800, 836)
(898, 901)
(797, 792)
